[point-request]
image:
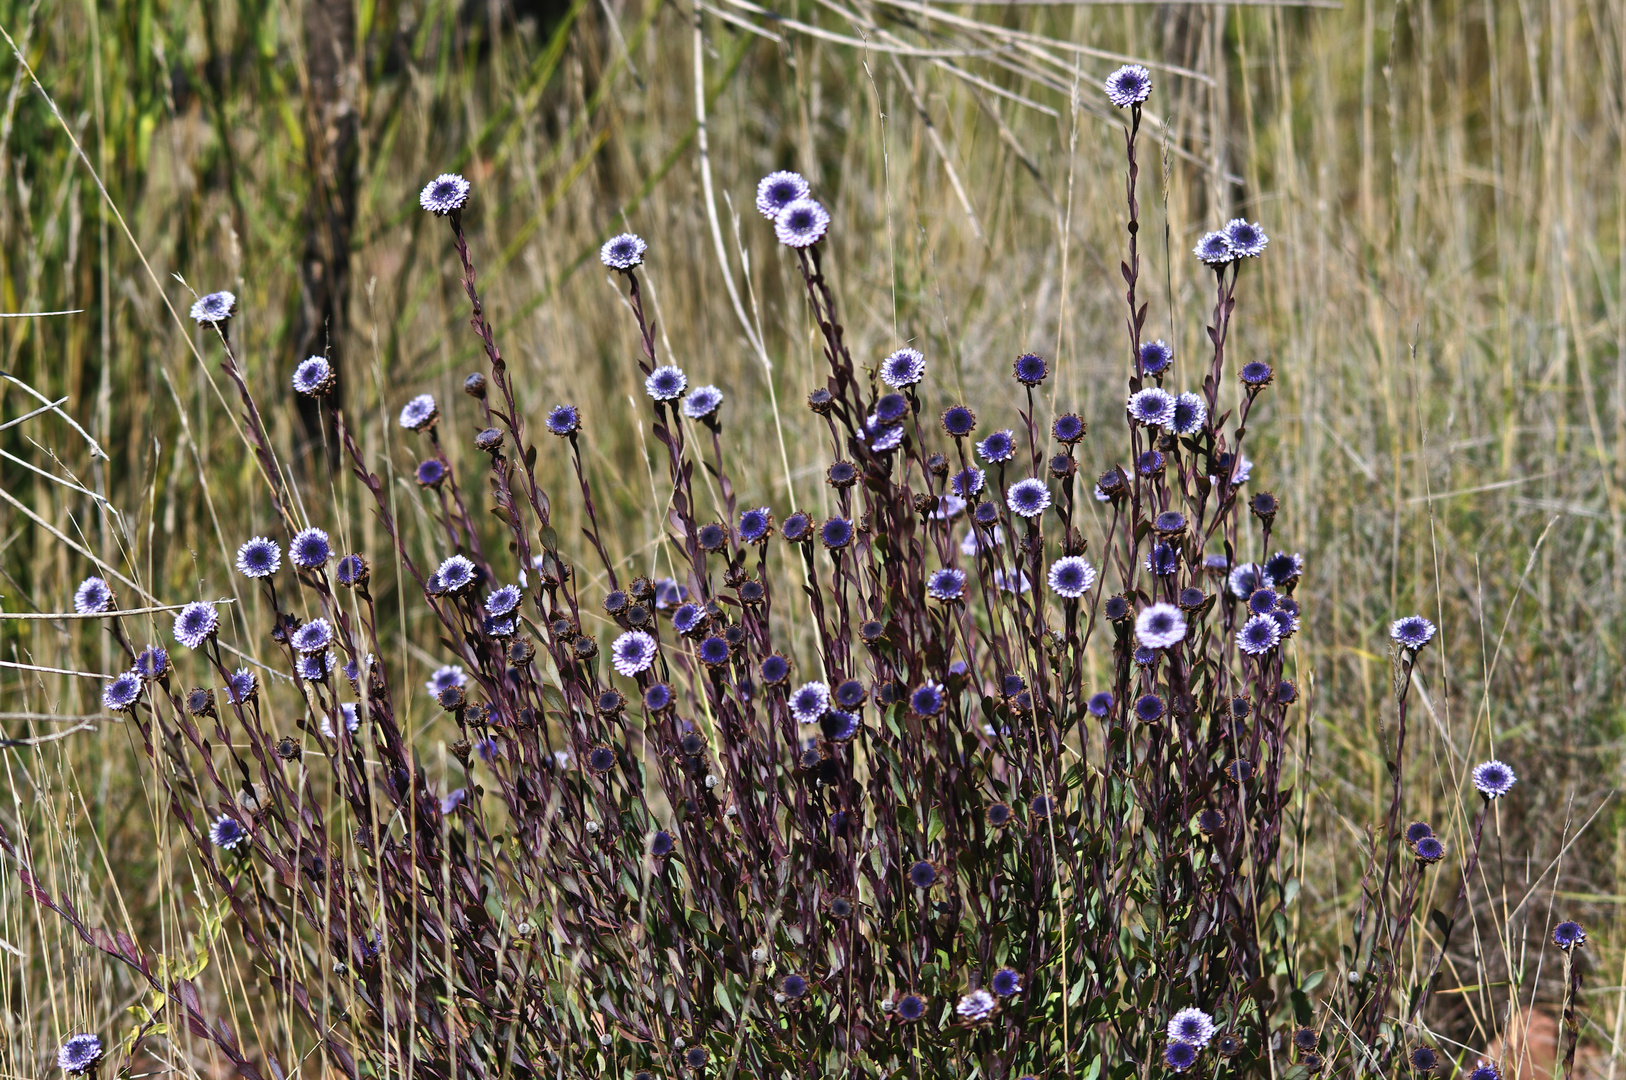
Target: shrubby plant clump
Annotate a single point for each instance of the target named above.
(946, 839)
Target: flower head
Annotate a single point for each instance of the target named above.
(1243, 580)
(92, 596)
(1006, 982)
(420, 414)
(1283, 568)
(976, 1006)
(1190, 411)
(1248, 241)
(152, 663)
(1162, 560)
(922, 875)
(443, 194)
(810, 701)
(310, 549)
(1160, 626)
(966, 483)
(314, 377)
(1067, 429)
(455, 574)
(314, 636)
(443, 677)
(1424, 1059)
(1215, 250)
(801, 223)
(1259, 635)
(79, 1053)
(998, 447)
(666, 383)
(431, 473)
(216, 307)
(1152, 406)
(946, 584)
(1100, 704)
(1569, 935)
(778, 190)
(622, 252)
(1129, 85)
(1428, 849)
(196, 623)
(959, 421)
(1191, 1025)
(1418, 830)
(1070, 577)
(836, 533)
(1493, 779)
(259, 558)
(314, 667)
(120, 695)
(910, 1007)
(1411, 632)
(1180, 1056)
(1255, 375)
(1486, 1070)
(502, 601)
(242, 687)
(906, 367)
(774, 669)
(927, 699)
(633, 652)
(564, 420)
(703, 401)
(1155, 357)
(1028, 498)
(227, 833)
(1030, 369)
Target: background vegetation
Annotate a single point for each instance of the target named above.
(1444, 302)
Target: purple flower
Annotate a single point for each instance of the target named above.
(420, 413)
(92, 596)
(1006, 982)
(1215, 250)
(1256, 374)
(927, 699)
(1155, 357)
(503, 600)
(836, 533)
(431, 473)
(314, 636)
(1100, 704)
(666, 383)
(1192, 1026)
(1179, 1056)
(911, 1007)
(1030, 369)
(455, 574)
(196, 623)
(967, 482)
(810, 701)
(1493, 779)
(976, 1006)
(1568, 935)
(443, 677)
(906, 367)
(1282, 568)
(1129, 85)
(1259, 635)
(120, 695)
(259, 558)
(623, 252)
(755, 525)
(1016, 581)
(1243, 580)
(1070, 577)
(314, 377)
(959, 421)
(1190, 411)
(778, 190)
(1411, 632)
(242, 687)
(1067, 429)
(633, 652)
(1028, 498)
(452, 800)
(227, 833)
(79, 1053)
(1153, 407)
(310, 549)
(443, 194)
(801, 223)
(998, 447)
(152, 663)
(1248, 241)
(314, 667)
(564, 420)
(217, 307)
(946, 584)
(703, 401)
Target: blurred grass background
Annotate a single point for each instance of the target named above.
(1443, 299)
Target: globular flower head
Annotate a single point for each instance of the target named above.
(946, 584)
(910, 1007)
(79, 1054)
(1191, 1025)
(1163, 559)
(227, 833)
(793, 986)
(999, 815)
(259, 558)
(1155, 357)
(196, 623)
(502, 601)
(1256, 375)
(1030, 369)
(1411, 632)
(1486, 1070)
(443, 194)
(1180, 1056)
(801, 223)
(623, 252)
(778, 190)
(906, 367)
(1160, 626)
(702, 402)
(92, 596)
(839, 725)
(431, 473)
(452, 800)
(1428, 849)
(666, 383)
(1243, 580)
(152, 663)
(1493, 779)
(1215, 250)
(564, 420)
(975, 1006)
(243, 687)
(1247, 240)
(756, 525)
(314, 377)
(668, 593)
(959, 421)
(810, 701)
(1153, 407)
(1418, 830)
(1129, 85)
(658, 697)
(420, 414)
(774, 669)
(714, 651)
(890, 409)
(1150, 463)
(443, 677)
(1262, 601)
(967, 482)
(1005, 982)
(314, 667)
(998, 447)
(1190, 412)
(213, 309)
(927, 699)
(1424, 1059)
(1259, 635)
(1149, 708)
(310, 549)
(1282, 569)
(633, 652)
(1100, 704)
(1067, 429)
(313, 636)
(601, 758)
(1028, 498)
(120, 694)
(1070, 577)
(836, 533)
(1569, 935)
(455, 574)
